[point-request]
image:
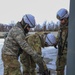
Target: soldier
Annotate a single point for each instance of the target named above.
(15, 40)
(62, 16)
(36, 41)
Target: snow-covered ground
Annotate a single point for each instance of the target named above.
(1, 63)
(49, 54)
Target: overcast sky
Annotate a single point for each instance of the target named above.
(13, 10)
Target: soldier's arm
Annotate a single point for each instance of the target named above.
(20, 39)
(35, 42)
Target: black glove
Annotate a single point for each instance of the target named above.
(46, 72)
(41, 68)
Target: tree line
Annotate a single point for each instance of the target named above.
(44, 27)
(5, 27)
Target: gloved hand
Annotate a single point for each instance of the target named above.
(46, 72)
(41, 68)
(39, 60)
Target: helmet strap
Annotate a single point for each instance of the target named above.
(29, 20)
(24, 25)
(52, 43)
(49, 40)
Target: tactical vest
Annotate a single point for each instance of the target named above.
(62, 36)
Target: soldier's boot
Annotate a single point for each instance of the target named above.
(61, 72)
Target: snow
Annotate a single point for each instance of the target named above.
(51, 53)
(1, 63)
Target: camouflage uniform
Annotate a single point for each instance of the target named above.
(36, 41)
(60, 64)
(12, 43)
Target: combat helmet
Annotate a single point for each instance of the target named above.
(29, 19)
(62, 13)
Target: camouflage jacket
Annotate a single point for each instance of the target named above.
(63, 34)
(36, 41)
(15, 40)
(62, 28)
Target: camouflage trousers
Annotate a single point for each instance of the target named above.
(28, 64)
(11, 65)
(60, 64)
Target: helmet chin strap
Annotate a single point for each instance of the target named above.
(24, 26)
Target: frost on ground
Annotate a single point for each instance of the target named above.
(1, 63)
